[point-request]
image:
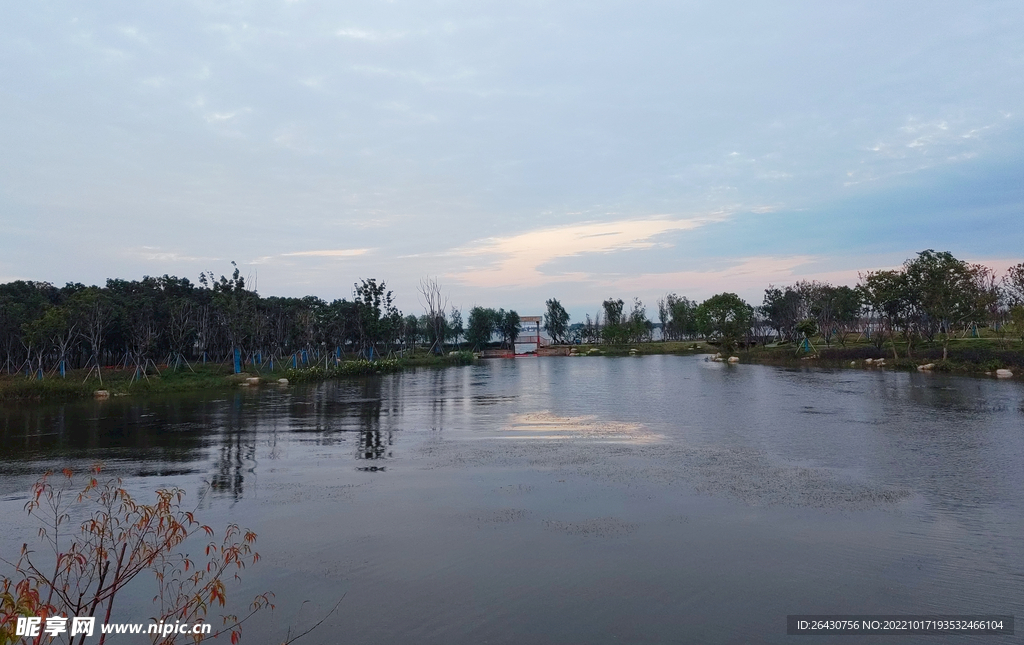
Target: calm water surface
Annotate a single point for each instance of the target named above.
(590, 500)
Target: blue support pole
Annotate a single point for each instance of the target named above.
(238, 361)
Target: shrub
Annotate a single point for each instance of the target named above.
(86, 565)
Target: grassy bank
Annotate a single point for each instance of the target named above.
(118, 382)
(966, 356)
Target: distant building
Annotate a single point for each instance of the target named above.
(529, 340)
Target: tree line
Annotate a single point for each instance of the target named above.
(45, 329)
(931, 297)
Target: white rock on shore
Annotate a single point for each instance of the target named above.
(1004, 374)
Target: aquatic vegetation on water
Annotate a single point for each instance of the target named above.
(343, 369)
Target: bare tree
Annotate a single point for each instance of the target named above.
(94, 313)
(180, 330)
(435, 306)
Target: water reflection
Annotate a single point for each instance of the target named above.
(644, 490)
(174, 435)
(236, 458)
(149, 432)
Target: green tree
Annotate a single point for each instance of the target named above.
(480, 327)
(783, 309)
(455, 326)
(615, 331)
(846, 313)
(683, 320)
(556, 321)
(378, 320)
(233, 308)
(887, 297)
(411, 331)
(1013, 293)
(59, 328)
(1013, 284)
(508, 327)
(638, 326)
(945, 290)
(834, 309)
(807, 327)
(93, 309)
(726, 318)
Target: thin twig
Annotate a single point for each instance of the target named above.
(318, 623)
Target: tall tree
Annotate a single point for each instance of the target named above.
(378, 319)
(435, 306)
(615, 331)
(481, 325)
(639, 327)
(945, 290)
(665, 315)
(455, 327)
(1013, 292)
(682, 323)
(846, 312)
(783, 309)
(508, 327)
(556, 321)
(1013, 284)
(93, 309)
(887, 296)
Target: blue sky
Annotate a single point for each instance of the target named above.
(516, 151)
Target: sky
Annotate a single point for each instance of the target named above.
(514, 151)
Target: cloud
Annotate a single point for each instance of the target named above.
(750, 276)
(328, 253)
(922, 145)
(134, 34)
(516, 260)
(155, 254)
(738, 275)
(368, 34)
(215, 117)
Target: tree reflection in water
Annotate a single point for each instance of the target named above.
(236, 455)
(329, 415)
(374, 444)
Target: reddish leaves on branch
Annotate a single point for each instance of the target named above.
(118, 540)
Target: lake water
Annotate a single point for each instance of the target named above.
(578, 500)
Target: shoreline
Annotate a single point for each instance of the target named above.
(974, 357)
(210, 377)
